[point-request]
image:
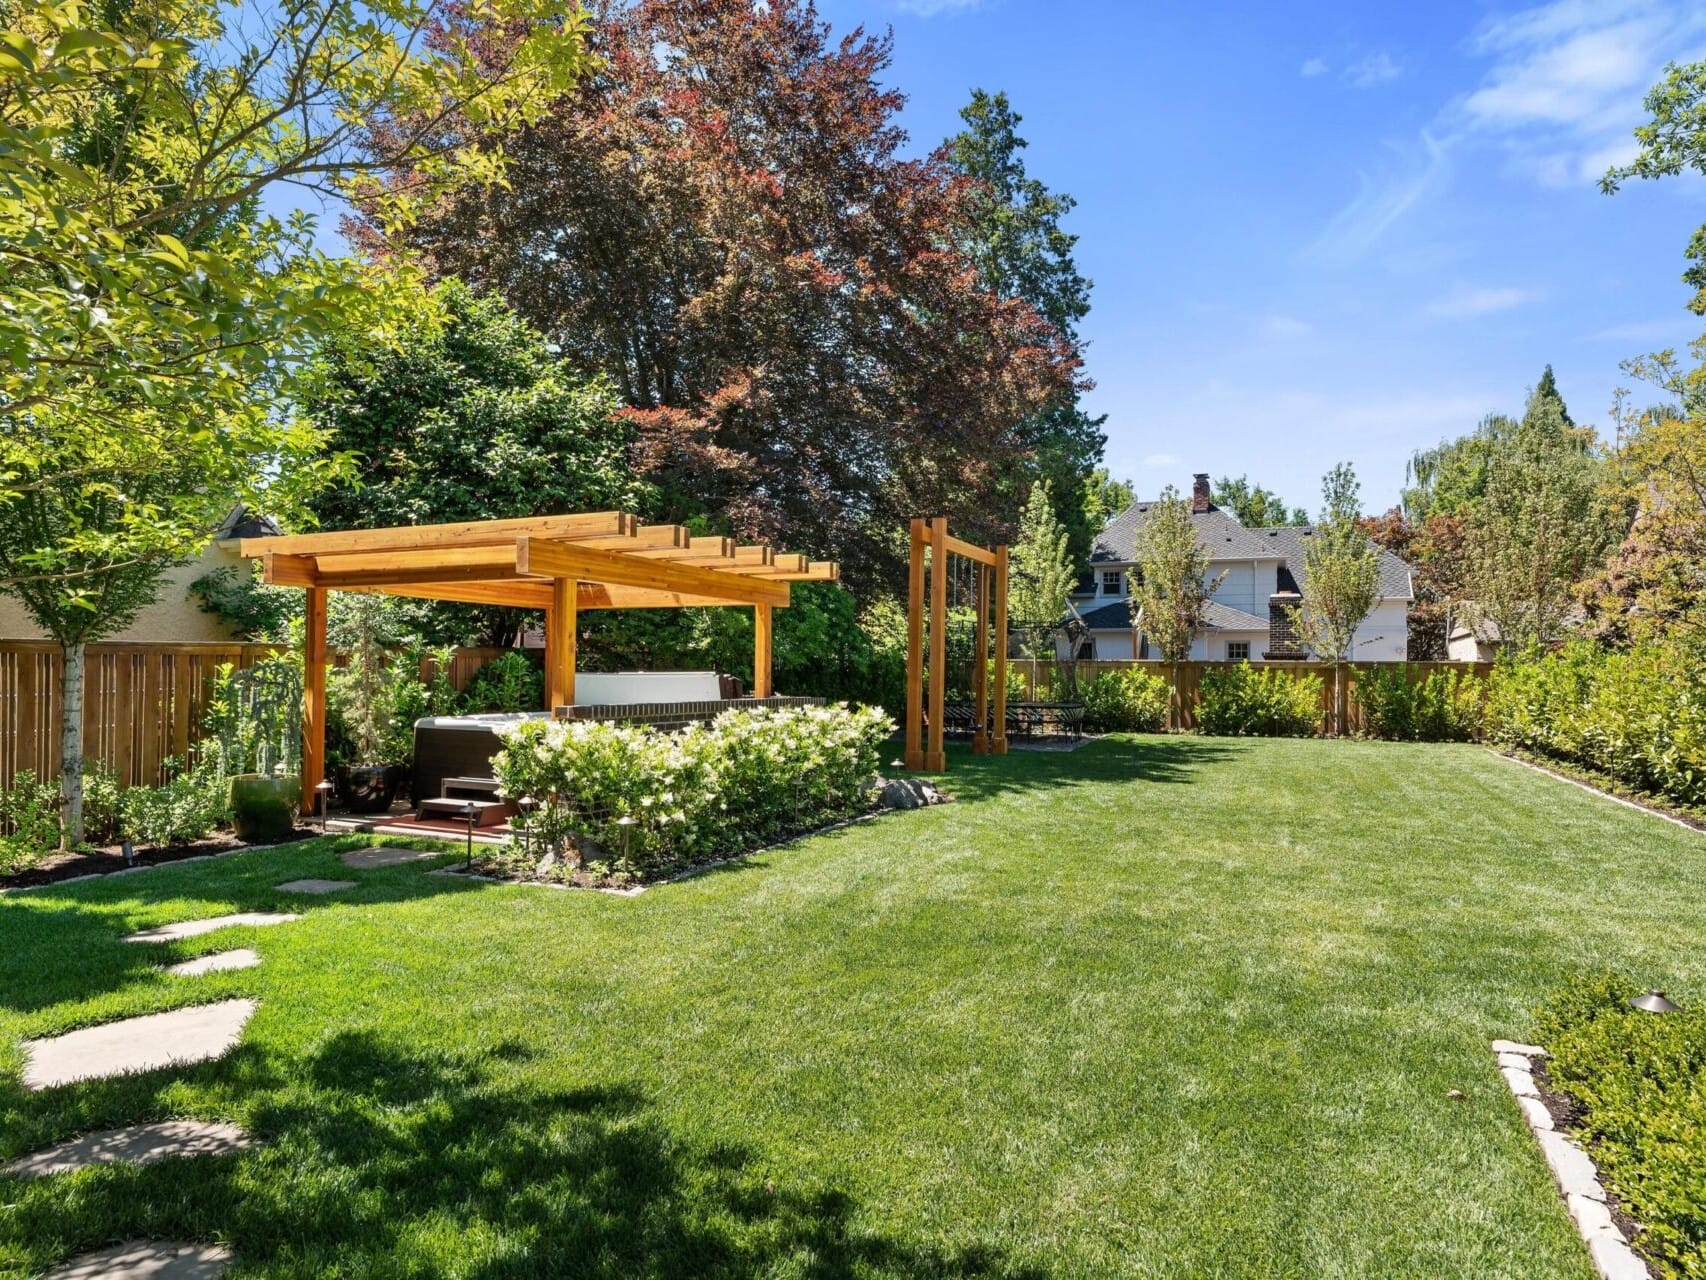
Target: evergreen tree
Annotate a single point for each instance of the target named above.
(1022, 252)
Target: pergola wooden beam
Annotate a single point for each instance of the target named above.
(421, 537)
(926, 648)
(566, 560)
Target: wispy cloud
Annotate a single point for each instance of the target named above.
(1567, 80)
(1313, 67)
(1471, 300)
(935, 8)
(1157, 461)
(1377, 68)
(1384, 196)
(1644, 331)
(1282, 328)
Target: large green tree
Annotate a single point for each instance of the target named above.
(1673, 141)
(1254, 506)
(1021, 250)
(150, 314)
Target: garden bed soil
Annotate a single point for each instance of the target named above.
(1606, 786)
(104, 860)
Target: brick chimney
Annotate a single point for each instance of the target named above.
(1199, 493)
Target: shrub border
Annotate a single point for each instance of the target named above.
(1600, 785)
(1592, 1208)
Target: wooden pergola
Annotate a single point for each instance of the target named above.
(558, 564)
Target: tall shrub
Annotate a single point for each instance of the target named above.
(1268, 702)
(1442, 707)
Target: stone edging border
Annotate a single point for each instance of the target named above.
(1572, 1169)
(1600, 792)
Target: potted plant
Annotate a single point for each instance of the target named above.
(369, 781)
(256, 718)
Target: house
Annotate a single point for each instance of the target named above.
(1473, 641)
(1261, 578)
(175, 616)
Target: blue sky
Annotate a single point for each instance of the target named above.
(1324, 232)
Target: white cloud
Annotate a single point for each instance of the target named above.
(1283, 328)
(1313, 67)
(1377, 68)
(1468, 300)
(1383, 198)
(1675, 331)
(1568, 78)
(1158, 461)
(935, 8)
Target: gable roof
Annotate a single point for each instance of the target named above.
(1225, 539)
(1116, 616)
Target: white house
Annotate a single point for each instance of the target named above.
(1261, 577)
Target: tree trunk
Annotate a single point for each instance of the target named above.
(71, 746)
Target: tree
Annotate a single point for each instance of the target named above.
(1015, 238)
(1540, 527)
(1433, 548)
(1254, 506)
(1673, 141)
(721, 221)
(1041, 576)
(1105, 498)
(1341, 580)
(466, 415)
(149, 313)
(1170, 595)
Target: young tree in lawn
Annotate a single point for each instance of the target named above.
(1015, 238)
(1170, 595)
(150, 314)
(1040, 575)
(723, 221)
(1341, 580)
(1254, 506)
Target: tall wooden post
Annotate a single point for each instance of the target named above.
(935, 760)
(999, 745)
(562, 625)
(914, 757)
(980, 672)
(313, 698)
(762, 621)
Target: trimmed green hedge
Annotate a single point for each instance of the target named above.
(1130, 700)
(1641, 1078)
(1247, 701)
(1444, 707)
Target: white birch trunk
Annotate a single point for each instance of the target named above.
(71, 746)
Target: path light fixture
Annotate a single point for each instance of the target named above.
(1655, 1002)
(323, 801)
(627, 822)
(468, 812)
(527, 804)
(129, 852)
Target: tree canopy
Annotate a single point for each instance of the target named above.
(1254, 506)
(1673, 141)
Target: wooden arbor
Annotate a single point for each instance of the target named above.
(560, 564)
(991, 579)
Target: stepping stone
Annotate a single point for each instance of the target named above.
(218, 962)
(314, 886)
(147, 1260)
(141, 1144)
(195, 928)
(197, 1034)
(374, 859)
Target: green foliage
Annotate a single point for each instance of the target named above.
(644, 800)
(29, 821)
(185, 808)
(1441, 707)
(1040, 573)
(1637, 716)
(1254, 506)
(249, 607)
(509, 682)
(1105, 498)
(1268, 702)
(256, 715)
(414, 698)
(1641, 1079)
(1341, 571)
(1127, 700)
(1672, 142)
(102, 802)
(1172, 587)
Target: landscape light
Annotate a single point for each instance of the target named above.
(527, 804)
(1655, 1002)
(323, 801)
(468, 812)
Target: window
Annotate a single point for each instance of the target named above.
(1111, 582)
(1238, 651)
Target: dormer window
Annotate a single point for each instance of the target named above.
(1112, 582)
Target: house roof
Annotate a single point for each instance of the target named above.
(1116, 616)
(1225, 539)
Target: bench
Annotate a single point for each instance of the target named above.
(1024, 719)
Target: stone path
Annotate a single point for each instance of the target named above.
(217, 962)
(195, 928)
(141, 1144)
(314, 886)
(147, 1260)
(197, 1034)
(374, 859)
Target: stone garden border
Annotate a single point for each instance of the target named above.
(1656, 811)
(1572, 1168)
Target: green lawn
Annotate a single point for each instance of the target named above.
(1158, 1007)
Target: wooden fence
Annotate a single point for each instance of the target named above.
(1047, 681)
(142, 703)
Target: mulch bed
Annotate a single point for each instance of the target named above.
(107, 859)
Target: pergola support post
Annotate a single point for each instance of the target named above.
(562, 622)
(980, 672)
(313, 698)
(935, 759)
(998, 745)
(763, 678)
(914, 758)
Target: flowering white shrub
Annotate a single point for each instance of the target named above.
(648, 799)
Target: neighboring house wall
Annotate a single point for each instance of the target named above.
(1465, 646)
(175, 617)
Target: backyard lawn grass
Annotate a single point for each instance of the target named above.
(1157, 1007)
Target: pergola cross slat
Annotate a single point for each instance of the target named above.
(559, 564)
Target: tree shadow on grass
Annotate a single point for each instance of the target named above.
(1170, 759)
(383, 1161)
